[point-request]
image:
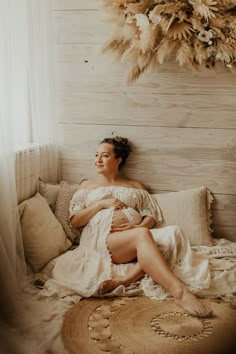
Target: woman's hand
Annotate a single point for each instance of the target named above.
(82, 217)
(110, 202)
(123, 227)
(147, 222)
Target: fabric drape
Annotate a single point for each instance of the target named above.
(27, 135)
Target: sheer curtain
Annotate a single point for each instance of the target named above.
(27, 124)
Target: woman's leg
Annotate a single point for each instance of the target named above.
(132, 276)
(138, 243)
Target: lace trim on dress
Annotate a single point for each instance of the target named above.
(77, 202)
(110, 276)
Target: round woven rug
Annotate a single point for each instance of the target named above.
(141, 325)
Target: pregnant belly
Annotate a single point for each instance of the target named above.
(127, 215)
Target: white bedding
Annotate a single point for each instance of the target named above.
(41, 327)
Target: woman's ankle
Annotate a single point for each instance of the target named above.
(177, 291)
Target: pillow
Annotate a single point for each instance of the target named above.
(189, 209)
(50, 192)
(62, 210)
(43, 235)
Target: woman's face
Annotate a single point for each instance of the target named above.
(105, 160)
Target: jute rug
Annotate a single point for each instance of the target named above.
(141, 325)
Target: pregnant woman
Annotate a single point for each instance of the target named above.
(118, 217)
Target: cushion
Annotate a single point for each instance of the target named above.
(189, 209)
(50, 192)
(62, 210)
(43, 235)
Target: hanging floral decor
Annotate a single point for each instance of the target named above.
(196, 33)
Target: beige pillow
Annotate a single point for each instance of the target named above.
(189, 209)
(43, 236)
(62, 210)
(50, 192)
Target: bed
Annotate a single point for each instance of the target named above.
(47, 235)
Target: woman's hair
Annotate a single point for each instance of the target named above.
(121, 147)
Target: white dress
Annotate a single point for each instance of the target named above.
(82, 270)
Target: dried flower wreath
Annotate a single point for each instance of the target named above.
(197, 33)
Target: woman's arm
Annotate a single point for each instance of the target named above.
(83, 216)
(148, 222)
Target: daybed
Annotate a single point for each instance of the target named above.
(125, 321)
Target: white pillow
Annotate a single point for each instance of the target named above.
(189, 209)
(43, 235)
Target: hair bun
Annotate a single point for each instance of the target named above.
(119, 139)
(121, 147)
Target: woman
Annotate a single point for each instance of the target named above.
(117, 216)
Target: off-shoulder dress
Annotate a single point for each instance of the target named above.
(83, 269)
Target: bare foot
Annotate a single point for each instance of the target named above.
(195, 307)
(111, 284)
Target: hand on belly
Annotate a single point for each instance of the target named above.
(119, 218)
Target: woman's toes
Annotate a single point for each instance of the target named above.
(192, 305)
(106, 286)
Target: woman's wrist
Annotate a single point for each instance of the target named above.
(100, 204)
(147, 222)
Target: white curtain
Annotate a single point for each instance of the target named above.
(27, 123)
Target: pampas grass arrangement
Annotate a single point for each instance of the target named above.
(197, 33)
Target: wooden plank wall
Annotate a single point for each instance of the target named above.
(183, 127)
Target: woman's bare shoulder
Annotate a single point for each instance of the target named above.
(86, 184)
(137, 184)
